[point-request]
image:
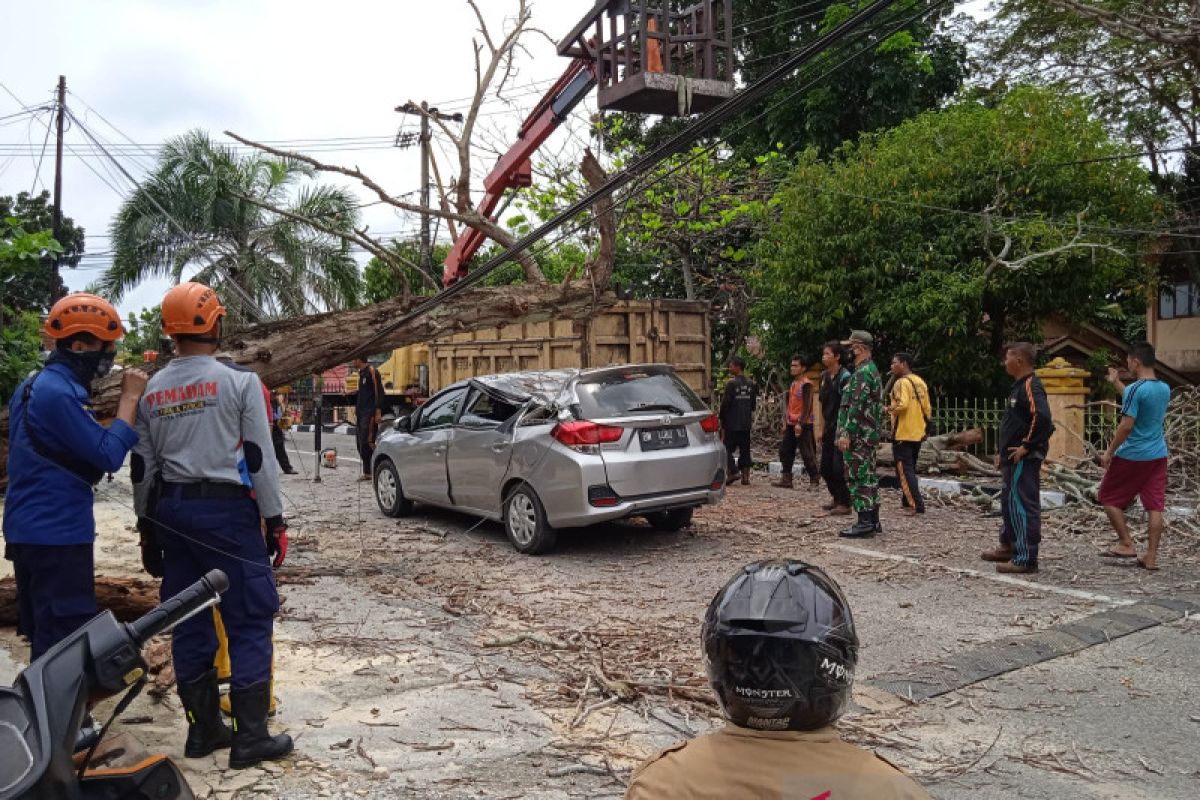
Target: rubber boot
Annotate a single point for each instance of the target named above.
(206, 731)
(223, 668)
(227, 706)
(745, 476)
(252, 742)
(863, 528)
(784, 482)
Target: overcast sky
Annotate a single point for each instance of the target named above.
(266, 69)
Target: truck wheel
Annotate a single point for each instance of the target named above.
(388, 493)
(670, 521)
(525, 522)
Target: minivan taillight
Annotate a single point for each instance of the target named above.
(710, 424)
(583, 433)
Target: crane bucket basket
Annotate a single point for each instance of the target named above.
(652, 60)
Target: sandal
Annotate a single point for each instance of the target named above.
(1146, 566)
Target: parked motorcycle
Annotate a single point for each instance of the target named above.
(40, 715)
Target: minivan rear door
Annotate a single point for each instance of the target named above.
(664, 448)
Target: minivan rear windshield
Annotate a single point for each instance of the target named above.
(623, 394)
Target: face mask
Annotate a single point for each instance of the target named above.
(87, 365)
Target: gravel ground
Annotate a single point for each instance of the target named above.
(424, 658)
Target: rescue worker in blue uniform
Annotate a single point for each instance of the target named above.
(198, 421)
(57, 452)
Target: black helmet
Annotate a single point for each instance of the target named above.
(780, 647)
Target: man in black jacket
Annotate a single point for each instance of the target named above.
(1024, 438)
(368, 410)
(737, 419)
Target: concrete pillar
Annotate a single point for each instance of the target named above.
(1066, 392)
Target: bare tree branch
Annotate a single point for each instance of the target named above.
(1001, 259)
(470, 217)
(1183, 33)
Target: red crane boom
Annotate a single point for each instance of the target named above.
(515, 169)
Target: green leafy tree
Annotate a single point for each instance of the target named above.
(910, 71)
(1137, 60)
(22, 262)
(202, 209)
(143, 331)
(687, 232)
(382, 281)
(32, 289)
(955, 232)
(20, 351)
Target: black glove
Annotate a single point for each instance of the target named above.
(277, 540)
(152, 558)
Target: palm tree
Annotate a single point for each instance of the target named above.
(193, 212)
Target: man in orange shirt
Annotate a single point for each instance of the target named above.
(798, 427)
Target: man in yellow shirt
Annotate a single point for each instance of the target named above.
(780, 648)
(910, 409)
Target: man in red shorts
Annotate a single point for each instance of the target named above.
(1136, 461)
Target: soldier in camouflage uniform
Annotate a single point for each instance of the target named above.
(858, 430)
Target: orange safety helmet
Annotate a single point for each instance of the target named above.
(81, 312)
(190, 308)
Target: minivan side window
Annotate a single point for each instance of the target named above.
(440, 410)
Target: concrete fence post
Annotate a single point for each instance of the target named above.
(1066, 392)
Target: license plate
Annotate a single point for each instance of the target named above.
(663, 438)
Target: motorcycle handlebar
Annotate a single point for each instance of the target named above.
(202, 593)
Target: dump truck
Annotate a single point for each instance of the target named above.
(675, 332)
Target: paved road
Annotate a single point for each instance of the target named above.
(424, 658)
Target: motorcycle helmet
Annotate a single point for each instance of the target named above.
(780, 647)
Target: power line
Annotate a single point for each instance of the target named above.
(37, 172)
(250, 305)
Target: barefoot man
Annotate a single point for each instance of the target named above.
(1136, 460)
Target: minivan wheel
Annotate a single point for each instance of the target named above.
(670, 521)
(388, 493)
(525, 522)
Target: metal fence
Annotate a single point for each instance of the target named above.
(957, 414)
(951, 414)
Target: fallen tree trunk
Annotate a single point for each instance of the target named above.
(942, 452)
(285, 350)
(127, 598)
(288, 349)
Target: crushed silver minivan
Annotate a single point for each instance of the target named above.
(541, 451)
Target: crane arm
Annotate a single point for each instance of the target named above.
(515, 169)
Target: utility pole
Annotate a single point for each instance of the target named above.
(56, 226)
(426, 113)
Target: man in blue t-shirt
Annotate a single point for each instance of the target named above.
(1136, 461)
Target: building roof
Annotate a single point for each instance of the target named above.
(1063, 338)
